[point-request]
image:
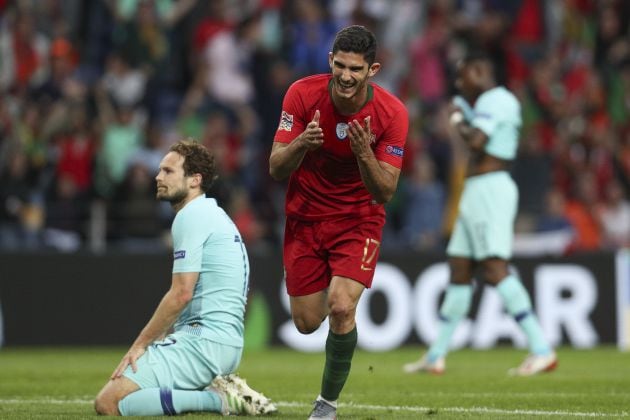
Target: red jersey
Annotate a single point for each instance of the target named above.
(327, 183)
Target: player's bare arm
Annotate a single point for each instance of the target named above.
(379, 178)
(172, 304)
(474, 137)
(480, 162)
(286, 158)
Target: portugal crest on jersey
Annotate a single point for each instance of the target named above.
(342, 131)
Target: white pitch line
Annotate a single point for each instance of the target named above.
(46, 401)
(477, 410)
(369, 407)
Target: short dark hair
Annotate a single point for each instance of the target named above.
(197, 160)
(357, 39)
(480, 58)
(476, 54)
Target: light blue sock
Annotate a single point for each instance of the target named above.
(455, 306)
(516, 300)
(161, 401)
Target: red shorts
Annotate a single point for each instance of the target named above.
(314, 252)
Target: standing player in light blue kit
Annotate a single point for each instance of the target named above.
(205, 306)
(483, 233)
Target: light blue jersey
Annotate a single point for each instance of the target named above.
(497, 113)
(205, 240)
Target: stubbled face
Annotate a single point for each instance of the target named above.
(172, 184)
(350, 73)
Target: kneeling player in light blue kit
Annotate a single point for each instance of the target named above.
(191, 369)
(483, 233)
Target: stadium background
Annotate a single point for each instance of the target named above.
(94, 92)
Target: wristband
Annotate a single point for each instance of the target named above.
(455, 118)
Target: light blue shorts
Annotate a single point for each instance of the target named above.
(485, 224)
(184, 361)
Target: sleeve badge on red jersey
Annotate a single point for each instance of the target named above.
(286, 121)
(395, 151)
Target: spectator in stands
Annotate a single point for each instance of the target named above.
(76, 147)
(312, 32)
(21, 217)
(612, 44)
(148, 33)
(246, 219)
(614, 215)
(143, 29)
(568, 62)
(622, 160)
(581, 211)
(227, 60)
(554, 218)
(552, 233)
(66, 215)
(28, 135)
(24, 52)
(220, 136)
(423, 207)
(63, 61)
(121, 138)
(429, 70)
(135, 215)
(124, 83)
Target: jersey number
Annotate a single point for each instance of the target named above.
(369, 254)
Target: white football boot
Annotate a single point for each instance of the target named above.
(534, 364)
(436, 367)
(257, 403)
(232, 402)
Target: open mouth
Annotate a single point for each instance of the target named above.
(344, 87)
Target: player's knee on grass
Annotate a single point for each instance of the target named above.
(106, 402)
(106, 405)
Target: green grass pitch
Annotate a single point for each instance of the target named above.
(60, 383)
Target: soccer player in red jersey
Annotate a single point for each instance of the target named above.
(340, 141)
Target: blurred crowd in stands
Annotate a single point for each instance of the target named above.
(94, 92)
